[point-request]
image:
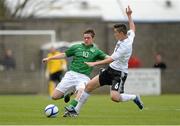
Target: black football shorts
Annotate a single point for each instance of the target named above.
(114, 78)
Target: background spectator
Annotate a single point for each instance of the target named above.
(8, 61)
(159, 62)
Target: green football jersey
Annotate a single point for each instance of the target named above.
(82, 53)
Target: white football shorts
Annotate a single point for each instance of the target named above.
(72, 81)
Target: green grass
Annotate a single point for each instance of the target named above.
(99, 110)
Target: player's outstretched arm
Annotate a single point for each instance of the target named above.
(131, 22)
(58, 56)
(105, 61)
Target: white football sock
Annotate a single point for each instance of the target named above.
(127, 97)
(81, 101)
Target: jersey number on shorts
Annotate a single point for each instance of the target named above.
(116, 86)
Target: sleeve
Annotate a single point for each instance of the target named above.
(131, 35)
(101, 55)
(71, 50)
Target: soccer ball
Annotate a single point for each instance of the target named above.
(51, 110)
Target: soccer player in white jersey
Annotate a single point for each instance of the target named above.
(116, 74)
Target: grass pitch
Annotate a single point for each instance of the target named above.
(99, 110)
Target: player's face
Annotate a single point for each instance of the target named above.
(117, 34)
(88, 40)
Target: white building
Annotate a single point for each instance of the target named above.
(108, 10)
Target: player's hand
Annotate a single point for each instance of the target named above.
(45, 60)
(128, 11)
(91, 64)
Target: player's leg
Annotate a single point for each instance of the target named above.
(56, 79)
(73, 103)
(73, 81)
(67, 96)
(92, 84)
(63, 86)
(117, 88)
(102, 79)
(78, 94)
(57, 94)
(117, 97)
(82, 80)
(117, 92)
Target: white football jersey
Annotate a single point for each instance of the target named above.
(122, 53)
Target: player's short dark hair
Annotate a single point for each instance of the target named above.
(90, 31)
(121, 28)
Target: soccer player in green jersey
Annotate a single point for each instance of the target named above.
(77, 77)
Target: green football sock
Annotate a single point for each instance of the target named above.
(73, 103)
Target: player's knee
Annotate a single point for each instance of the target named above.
(57, 95)
(88, 88)
(115, 98)
(54, 97)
